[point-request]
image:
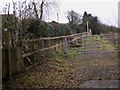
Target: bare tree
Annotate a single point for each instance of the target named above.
(35, 8)
(41, 9)
(47, 7)
(74, 19)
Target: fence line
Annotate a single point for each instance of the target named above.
(58, 41)
(18, 59)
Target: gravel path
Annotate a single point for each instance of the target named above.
(101, 84)
(103, 73)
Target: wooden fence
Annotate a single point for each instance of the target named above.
(18, 59)
(35, 50)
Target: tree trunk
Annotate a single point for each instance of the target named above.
(41, 9)
(35, 10)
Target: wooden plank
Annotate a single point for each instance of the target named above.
(50, 47)
(28, 54)
(31, 53)
(52, 38)
(75, 39)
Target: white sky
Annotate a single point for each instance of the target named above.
(106, 10)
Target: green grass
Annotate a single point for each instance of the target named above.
(75, 53)
(105, 45)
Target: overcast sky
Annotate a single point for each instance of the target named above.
(106, 10)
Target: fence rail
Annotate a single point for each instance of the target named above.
(59, 37)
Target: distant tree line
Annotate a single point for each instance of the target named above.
(78, 23)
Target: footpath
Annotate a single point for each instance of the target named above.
(103, 72)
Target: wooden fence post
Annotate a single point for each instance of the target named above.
(42, 52)
(9, 60)
(0, 68)
(65, 45)
(116, 39)
(119, 45)
(12, 61)
(7, 46)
